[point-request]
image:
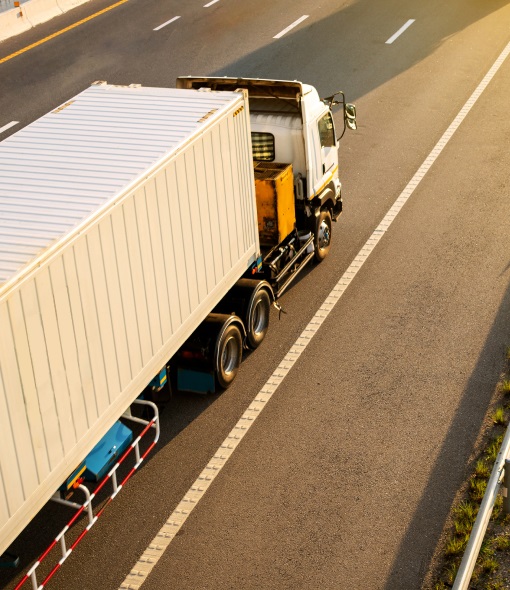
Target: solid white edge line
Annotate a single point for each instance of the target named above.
(211, 3)
(167, 23)
(8, 126)
(294, 24)
(162, 540)
(400, 31)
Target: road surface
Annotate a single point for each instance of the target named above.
(346, 478)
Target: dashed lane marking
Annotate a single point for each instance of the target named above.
(167, 23)
(8, 126)
(400, 31)
(290, 27)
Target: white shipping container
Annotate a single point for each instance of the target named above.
(125, 216)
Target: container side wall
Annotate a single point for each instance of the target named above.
(217, 235)
(196, 230)
(231, 198)
(155, 233)
(247, 179)
(168, 250)
(85, 332)
(85, 386)
(57, 378)
(119, 320)
(148, 269)
(137, 278)
(219, 192)
(30, 400)
(68, 346)
(90, 319)
(134, 333)
(203, 207)
(177, 233)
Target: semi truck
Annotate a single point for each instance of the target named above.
(144, 235)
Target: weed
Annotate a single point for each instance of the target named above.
(492, 563)
(493, 448)
(451, 573)
(462, 528)
(464, 517)
(486, 551)
(477, 489)
(501, 542)
(482, 470)
(497, 511)
(499, 416)
(505, 519)
(456, 546)
(489, 565)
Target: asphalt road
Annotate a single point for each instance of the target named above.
(346, 479)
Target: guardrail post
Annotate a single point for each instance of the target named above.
(506, 487)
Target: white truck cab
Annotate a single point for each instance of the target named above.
(290, 123)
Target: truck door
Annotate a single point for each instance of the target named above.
(329, 147)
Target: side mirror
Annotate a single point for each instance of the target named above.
(349, 110)
(350, 115)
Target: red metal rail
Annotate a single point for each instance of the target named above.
(87, 505)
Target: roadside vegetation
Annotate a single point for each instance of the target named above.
(492, 570)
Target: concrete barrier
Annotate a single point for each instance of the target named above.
(13, 22)
(40, 11)
(66, 5)
(32, 13)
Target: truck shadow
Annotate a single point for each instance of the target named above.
(361, 67)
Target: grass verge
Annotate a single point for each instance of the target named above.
(492, 569)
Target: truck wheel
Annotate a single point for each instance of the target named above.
(257, 318)
(323, 231)
(228, 353)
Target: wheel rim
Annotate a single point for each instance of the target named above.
(324, 235)
(259, 318)
(230, 355)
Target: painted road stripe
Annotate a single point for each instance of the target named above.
(167, 23)
(290, 27)
(162, 540)
(8, 126)
(61, 32)
(400, 31)
(211, 3)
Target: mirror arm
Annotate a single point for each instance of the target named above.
(332, 101)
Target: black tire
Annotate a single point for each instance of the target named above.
(257, 318)
(322, 237)
(228, 354)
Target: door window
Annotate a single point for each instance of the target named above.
(327, 131)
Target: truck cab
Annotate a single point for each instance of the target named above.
(291, 124)
(292, 136)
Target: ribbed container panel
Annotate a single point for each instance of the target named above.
(126, 214)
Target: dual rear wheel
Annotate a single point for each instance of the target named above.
(229, 345)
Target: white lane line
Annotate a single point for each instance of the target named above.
(8, 126)
(211, 3)
(290, 27)
(167, 23)
(162, 540)
(400, 31)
